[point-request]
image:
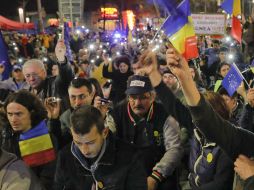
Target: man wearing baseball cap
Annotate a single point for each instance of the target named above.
(141, 121)
(16, 82)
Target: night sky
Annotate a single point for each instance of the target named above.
(9, 8)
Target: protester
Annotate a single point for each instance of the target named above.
(80, 93)
(16, 82)
(209, 166)
(95, 159)
(144, 123)
(119, 77)
(43, 86)
(236, 142)
(28, 136)
(14, 174)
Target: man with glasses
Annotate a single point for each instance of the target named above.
(144, 123)
(44, 86)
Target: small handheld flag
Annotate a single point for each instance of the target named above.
(232, 80)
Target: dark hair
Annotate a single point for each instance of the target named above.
(98, 90)
(223, 91)
(4, 125)
(31, 102)
(79, 82)
(221, 65)
(218, 104)
(84, 118)
(216, 41)
(84, 62)
(123, 59)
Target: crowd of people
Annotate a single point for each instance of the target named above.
(124, 113)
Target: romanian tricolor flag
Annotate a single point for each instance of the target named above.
(179, 28)
(234, 7)
(236, 30)
(36, 147)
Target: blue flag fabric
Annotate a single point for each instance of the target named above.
(177, 20)
(67, 40)
(232, 80)
(4, 59)
(227, 6)
(169, 5)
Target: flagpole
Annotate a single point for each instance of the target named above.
(241, 74)
(246, 70)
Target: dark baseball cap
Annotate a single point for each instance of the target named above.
(137, 84)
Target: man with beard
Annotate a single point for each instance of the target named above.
(144, 123)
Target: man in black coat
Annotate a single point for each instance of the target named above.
(95, 159)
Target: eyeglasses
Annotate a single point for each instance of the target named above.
(143, 97)
(80, 97)
(34, 75)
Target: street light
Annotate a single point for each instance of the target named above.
(27, 19)
(21, 15)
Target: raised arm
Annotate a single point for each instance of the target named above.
(233, 140)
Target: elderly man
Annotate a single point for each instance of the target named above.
(145, 123)
(43, 86)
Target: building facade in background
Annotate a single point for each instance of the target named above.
(71, 10)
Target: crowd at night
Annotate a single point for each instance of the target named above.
(126, 95)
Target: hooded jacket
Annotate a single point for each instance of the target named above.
(15, 175)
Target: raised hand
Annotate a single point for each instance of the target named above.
(148, 63)
(52, 105)
(177, 64)
(101, 105)
(60, 50)
(180, 68)
(250, 97)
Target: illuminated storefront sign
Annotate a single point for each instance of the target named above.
(109, 13)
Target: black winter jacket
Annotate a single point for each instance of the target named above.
(233, 140)
(118, 169)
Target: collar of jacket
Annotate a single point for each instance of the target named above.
(202, 140)
(106, 157)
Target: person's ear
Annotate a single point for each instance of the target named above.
(105, 132)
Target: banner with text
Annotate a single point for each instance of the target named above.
(209, 24)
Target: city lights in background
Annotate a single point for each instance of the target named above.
(130, 19)
(21, 15)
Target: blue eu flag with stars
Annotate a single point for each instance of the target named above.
(232, 80)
